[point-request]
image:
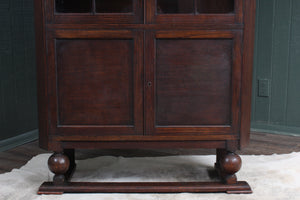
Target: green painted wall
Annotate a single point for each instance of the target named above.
(277, 58)
(18, 105)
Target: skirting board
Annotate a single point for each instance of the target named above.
(276, 129)
(18, 140)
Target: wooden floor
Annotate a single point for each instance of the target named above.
(261, 143)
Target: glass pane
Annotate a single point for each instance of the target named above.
(73, 6)
(114, 6)
(215, 6)
(175, 6)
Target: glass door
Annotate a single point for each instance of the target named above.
(73, 6)
(114, 6)
(95, 11)
(94, 6)
(195, 6)
(195, 11)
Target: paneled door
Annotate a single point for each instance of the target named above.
(194, 80)
(95, 82)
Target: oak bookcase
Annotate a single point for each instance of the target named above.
(144, 74)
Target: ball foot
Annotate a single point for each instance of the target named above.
(228, 163)
(59, 164)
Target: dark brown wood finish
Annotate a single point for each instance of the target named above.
(260, 143)
(248, 51)
(193, 82)
(94, 89)
(240, 187)
(90, 91)
(227, 165)
(41, 62)
(188, 80)
(144, 74)
(145, 144)
(59, 164)
(150, 27)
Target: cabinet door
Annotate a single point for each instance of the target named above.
(194, 11)
(194, 80)
(94, 11)
(95, 82)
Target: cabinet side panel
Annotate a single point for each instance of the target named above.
(248, 50)
(41, 73)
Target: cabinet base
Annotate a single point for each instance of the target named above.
(240, 187)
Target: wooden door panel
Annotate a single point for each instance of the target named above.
(96, 82)
(193, 81)
(196, 82)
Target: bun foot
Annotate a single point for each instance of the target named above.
(228, 163)
(59, 164)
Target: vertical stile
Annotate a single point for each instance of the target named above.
(195, 7)
(93, 7)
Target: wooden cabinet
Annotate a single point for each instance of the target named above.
(144, 74)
